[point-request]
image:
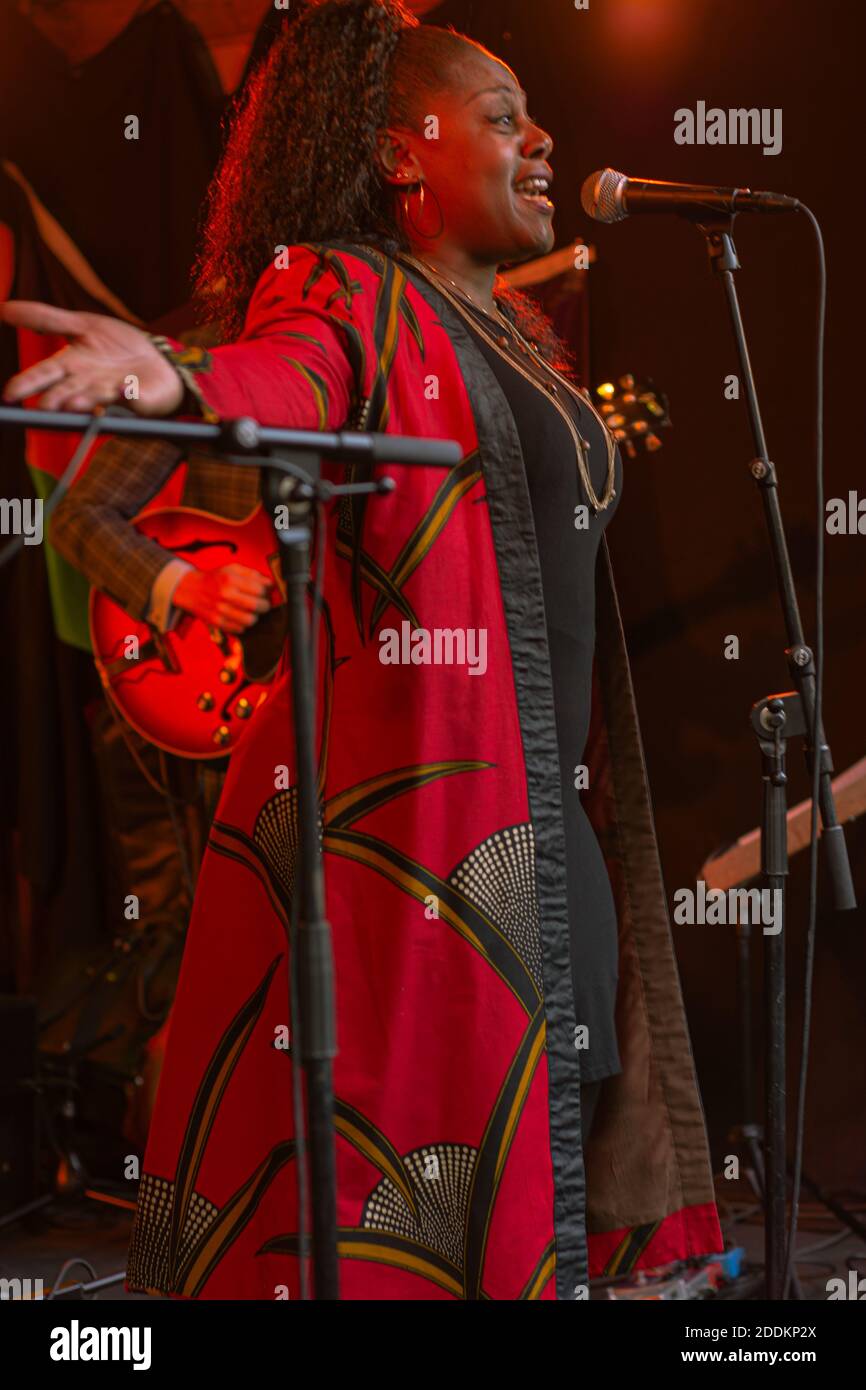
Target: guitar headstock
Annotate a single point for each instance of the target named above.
(634, 412)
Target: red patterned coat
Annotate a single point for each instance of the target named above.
(460, 1168)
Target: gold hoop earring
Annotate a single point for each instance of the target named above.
(405, 195)
(415, 224)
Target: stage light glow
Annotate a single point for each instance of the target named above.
(652, 36)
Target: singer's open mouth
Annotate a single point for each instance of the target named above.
(534, 190)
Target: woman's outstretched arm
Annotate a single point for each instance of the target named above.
(290, 367)
(95, 367)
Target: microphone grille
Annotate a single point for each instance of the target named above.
(601, 196)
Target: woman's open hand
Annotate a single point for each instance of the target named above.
(107, 360)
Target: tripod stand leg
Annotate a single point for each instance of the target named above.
(774, 1139)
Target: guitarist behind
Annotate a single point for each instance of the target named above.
(158, 806)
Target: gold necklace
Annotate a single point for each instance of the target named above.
(581, 447)
(440, 274)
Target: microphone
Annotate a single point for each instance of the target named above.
(609, 196)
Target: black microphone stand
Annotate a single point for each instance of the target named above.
(769, 719)
(315, 963)
(292, 462)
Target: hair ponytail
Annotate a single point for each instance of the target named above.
(300, 163)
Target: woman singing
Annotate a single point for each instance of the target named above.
(516, 1104)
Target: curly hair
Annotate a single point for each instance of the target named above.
(300, 163)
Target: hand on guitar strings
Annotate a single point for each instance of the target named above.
(230, 598)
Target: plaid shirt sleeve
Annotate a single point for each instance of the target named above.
(91, 525)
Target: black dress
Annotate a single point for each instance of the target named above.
(568, 534)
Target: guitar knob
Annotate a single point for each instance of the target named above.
(228, 676)
(221, 735)
(243, 708)
(205, 700)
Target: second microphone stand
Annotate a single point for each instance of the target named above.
(718, 232)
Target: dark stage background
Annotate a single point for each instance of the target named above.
(688, 545)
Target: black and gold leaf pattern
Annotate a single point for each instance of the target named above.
(454, 487)
(204, 1108)
(318, 387)
(494, 1148)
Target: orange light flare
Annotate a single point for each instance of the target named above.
(653, 38)
(108, 1200)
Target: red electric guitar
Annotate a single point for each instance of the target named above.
(187, 691)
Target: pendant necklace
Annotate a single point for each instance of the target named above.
(516, 339)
